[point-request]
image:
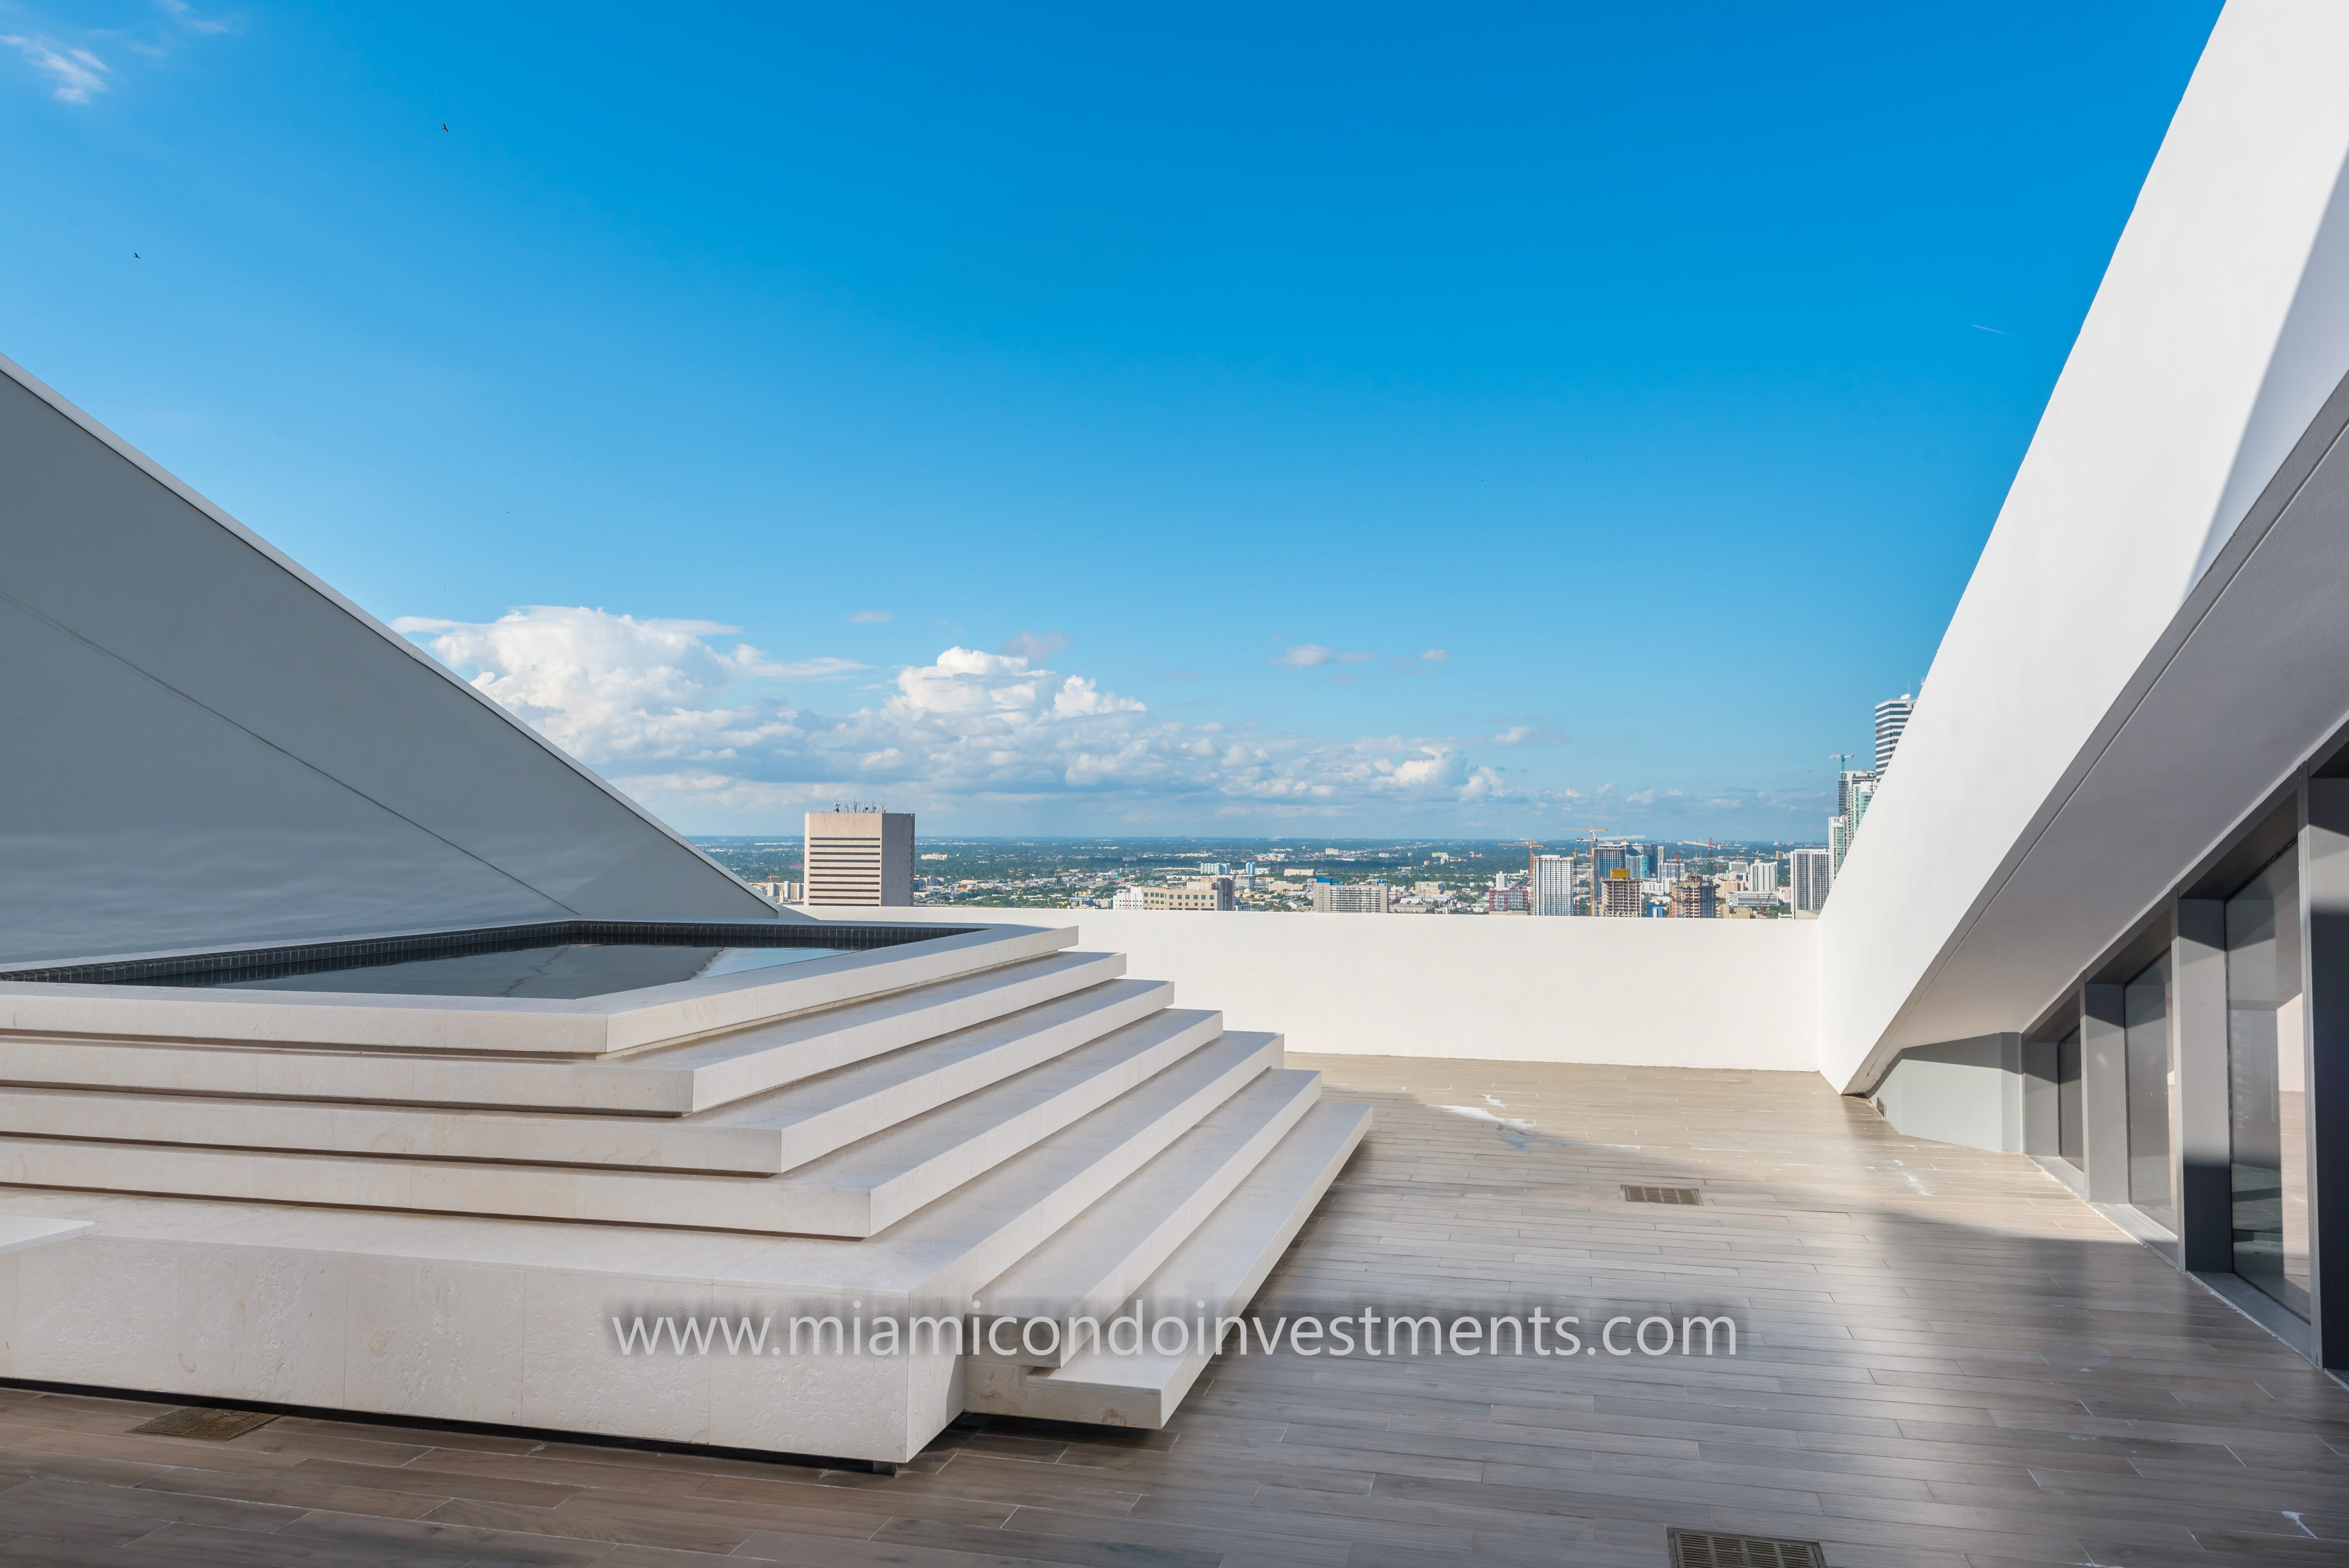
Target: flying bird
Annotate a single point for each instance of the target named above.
(444, 125)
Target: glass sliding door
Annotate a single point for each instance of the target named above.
(2145, 1017)
(2069, 1139)
(2266, 1084)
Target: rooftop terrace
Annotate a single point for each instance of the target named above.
(1945, 1358)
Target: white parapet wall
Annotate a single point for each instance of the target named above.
(1639, 993)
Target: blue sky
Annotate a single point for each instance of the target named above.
(1442, 420)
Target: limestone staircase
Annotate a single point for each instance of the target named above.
(994, 1114)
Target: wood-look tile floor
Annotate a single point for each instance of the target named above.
(1944, 1359)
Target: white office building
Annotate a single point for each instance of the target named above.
(1553, 885)
(1197, 893)
(1891, 718)
(1808, 874)
(1351, 898)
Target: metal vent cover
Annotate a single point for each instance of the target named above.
(201, 1421)
(1710, 1549)
(1660, 1195)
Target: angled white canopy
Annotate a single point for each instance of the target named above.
(2153, 637)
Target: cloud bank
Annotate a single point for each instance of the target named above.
(698, 728)
(715, 735)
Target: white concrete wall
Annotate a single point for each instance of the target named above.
(2220, 327)
(1967, 1091)
(1644, 993)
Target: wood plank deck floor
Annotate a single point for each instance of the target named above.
(1944, 1359)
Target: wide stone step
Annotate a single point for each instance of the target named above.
(435, 1296)
(956, 1245)
(834, 1109)
(1105, 1254)
(1221, 1265)
(872, 1184)
(763, 1136)
(1125, 1081)
(669, 1082)
(523, 1028)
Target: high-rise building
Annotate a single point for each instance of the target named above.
(1761, 877)
(1845, 783)
(1620, 896)
(778, 891)
(1508, 901)
(1694, 898)
(1891, 718)
(1607, 857)
(1350, 898)
(1810, 873)
(1863, 790)
(1553, 884)
(1855, 787)
(1842, 829)
(860, 856)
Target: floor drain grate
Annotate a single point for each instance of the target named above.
(1660, 1196)
(1705, 1549)
(213, 1425)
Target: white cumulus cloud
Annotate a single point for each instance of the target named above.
(610, 688)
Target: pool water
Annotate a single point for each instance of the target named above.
(561, 971)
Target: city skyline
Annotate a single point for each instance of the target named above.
(1459, 876)
(763, 428)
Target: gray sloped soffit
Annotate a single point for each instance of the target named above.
(208, 746)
